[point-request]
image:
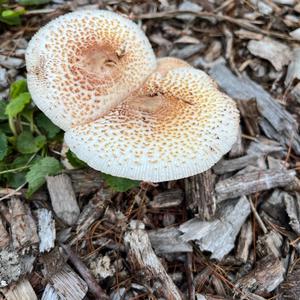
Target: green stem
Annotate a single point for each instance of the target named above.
(12, 126)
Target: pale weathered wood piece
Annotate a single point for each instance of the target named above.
(4, 237)
(23, 228)
(218, 235)
(257, 181)
(63, 198)
(243, 88)
(68, 285)
(199, 194)
(50, 293)
(167, 199)
(244, 242)
(167, 240)
(265, 277)
(46, 229)
(230, 165)
(143, 259)
(90, 213)
(293, 210)
(22, 290)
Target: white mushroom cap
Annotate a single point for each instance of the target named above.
(84, 63)
(182, 130)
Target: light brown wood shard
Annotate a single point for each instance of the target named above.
(23, 227)
(249, 183)
(265, 277)
(144, 260)
(21, 290)
(199, 194)
(63, 198)
(68, 284)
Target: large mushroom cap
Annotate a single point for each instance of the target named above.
(182, 130)
(84, 63)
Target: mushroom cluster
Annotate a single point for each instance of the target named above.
(126, 113)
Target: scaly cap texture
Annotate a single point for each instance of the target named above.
(182, 130)
(82, 64)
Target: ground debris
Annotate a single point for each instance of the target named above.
(218, 235)
(144, 260)
(264, 278)
(278, 54)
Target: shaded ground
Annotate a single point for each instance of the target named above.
(231, 232)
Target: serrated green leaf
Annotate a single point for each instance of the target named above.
(18, 87)
(47, 166)
(3, 146)
(47, 126)
(16, 105)
(27, 143)
(3, 116)
(33, 2)
(119, 184)
(74, 160)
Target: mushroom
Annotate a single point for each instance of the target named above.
(94, 74)
(82, 64)
(180, 129)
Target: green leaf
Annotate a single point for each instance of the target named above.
(74, 160)
(119, 184)
(36, 176)
(3, 116)
(11, 17)
(16, 105)
(33, 2)
(14, 180)
(47, 126)
(27, 143)
(3, 146)
(18, 87)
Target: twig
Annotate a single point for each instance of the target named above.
(189, 275)
(239, 22)
(94, 288)
(14, 192)
(257, 217)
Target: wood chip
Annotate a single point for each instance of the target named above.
(63, 198)
(265, 277)
(11, 62)
(68, 285)
(226, 166)
(167, 240)
(23, 227)
(244, 242)
(218, 235)
(166, 199)
(21, 290)
(143, 259)
(292, 205)
(277, 53)
(242, 88)
(4, 237)
(199, 194)
(91, 212)
(294, 68)
(46, 229)
(290, 288)
(50, 293)
(253, 182)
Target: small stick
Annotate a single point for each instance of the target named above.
(189, 275)
(94, 287)
(257, 217)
